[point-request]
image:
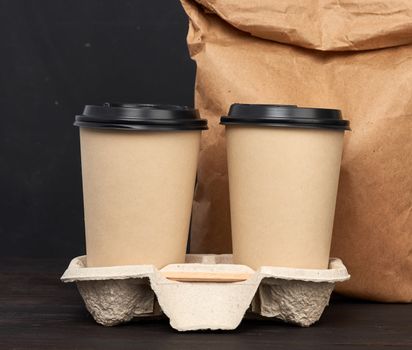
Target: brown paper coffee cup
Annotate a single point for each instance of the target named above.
(138, 168)
(283, 165)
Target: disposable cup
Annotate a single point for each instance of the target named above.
(283, 165)
(138, 168)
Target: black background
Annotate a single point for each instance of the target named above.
(56, 56)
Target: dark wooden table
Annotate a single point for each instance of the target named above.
(37, 311)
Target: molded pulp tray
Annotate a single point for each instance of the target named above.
(117, 294)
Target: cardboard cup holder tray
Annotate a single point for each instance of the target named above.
(206, 292)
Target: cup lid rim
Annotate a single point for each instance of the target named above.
(140, 116)
(277, 115)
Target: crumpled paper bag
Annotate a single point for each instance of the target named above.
(352, 55)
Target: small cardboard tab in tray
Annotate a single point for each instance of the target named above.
(207, 292)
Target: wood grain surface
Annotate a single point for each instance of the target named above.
(37, 311)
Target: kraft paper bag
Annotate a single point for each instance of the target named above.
(352, 55)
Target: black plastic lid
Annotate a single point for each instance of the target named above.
(143, 117)
(289, 116)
